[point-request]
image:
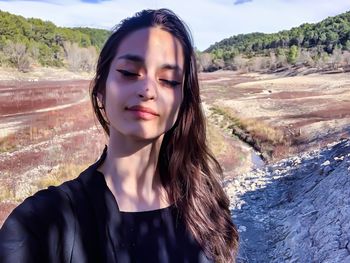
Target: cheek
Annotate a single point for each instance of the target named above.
(173, 106)
(113, 100)
(115, 91)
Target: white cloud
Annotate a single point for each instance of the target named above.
(210, 20)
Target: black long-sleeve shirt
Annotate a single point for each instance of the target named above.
(79, 221)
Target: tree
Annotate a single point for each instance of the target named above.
(347, 45)
(293, 54)
(88, 58)
(273, 61)
(259, 63)
(305, 58)
(80, 58)
(72, 55)
(17, 55)
(205, 60)
(336, 58)
(240, 62)
(346, 58)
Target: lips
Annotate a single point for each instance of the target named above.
(142, 109)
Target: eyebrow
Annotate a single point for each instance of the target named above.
(171, 67)
(139, 59)
(131, 57)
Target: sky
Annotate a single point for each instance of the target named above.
(209, 20)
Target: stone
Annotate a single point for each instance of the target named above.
(326, 163)
(327, 169)
(242, 229)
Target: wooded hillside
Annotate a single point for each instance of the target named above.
(25, 42)
(319, 44)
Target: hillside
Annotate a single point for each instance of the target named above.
(331, 33)
(27, 42)
(322, 46)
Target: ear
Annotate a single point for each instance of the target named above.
(100, 100)
(101, 106)
(100, 97)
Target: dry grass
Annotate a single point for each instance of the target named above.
(270, 141)
(262, 132)
(9, 192)
(215, 140)
(6, 193)
(63, 173)
(26, 135)
(8, 144)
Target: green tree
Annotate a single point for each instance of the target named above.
(293, 54)
(347, 45)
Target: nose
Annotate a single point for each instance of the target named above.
(147, 89)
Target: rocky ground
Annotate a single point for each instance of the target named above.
(296, 210)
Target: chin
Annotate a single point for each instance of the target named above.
(139, 133)
(143, 135)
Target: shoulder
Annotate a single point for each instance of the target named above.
(44, 225)
(38, 224)
(45, 221)
(43, 207)
(51, 205)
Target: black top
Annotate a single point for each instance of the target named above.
(79, 221)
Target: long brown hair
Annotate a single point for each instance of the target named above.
(188, 170)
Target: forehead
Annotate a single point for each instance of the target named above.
(153, 44)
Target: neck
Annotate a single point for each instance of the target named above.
(130, 170)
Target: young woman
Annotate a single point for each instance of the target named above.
(154, 195)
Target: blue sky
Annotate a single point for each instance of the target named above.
(209, 20)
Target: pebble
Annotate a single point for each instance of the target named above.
(326, 163)
(242, 229)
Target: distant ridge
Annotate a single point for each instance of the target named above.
(330, 33)
(16, 27)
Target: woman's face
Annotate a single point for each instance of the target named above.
(144, 86)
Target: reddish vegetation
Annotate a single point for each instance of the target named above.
(63, 133)
(20, 97)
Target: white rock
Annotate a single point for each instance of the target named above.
(242, 229)
(326, 163)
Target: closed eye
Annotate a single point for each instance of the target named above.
(126, 73)
(171, 83)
